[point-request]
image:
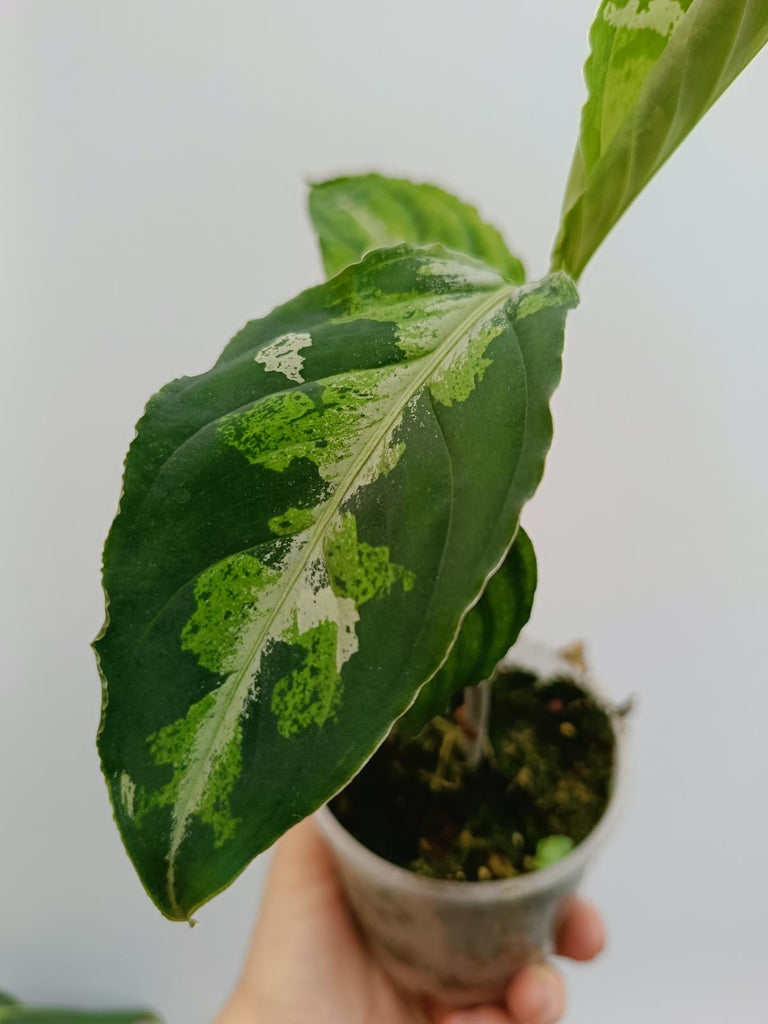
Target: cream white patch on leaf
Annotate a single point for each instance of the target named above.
(283, 355)
(475, 275)
(320, 604)
(127, 793)
(658, 15)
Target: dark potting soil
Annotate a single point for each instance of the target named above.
(541, 787)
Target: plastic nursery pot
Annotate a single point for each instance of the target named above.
(460, 942)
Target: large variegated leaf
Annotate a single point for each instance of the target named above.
(300, 532)
(655, 68)
(356, 214)
(488, 631)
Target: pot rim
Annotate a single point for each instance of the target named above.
(531, 656)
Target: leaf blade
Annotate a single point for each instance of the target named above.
(354, 214)
(653, 72)
(267, 605)
(487, 632)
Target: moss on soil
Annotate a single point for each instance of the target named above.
(547, 772)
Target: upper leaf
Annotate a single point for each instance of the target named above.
(354, 215)
(301, 530)
(655, 68)
(489, 629)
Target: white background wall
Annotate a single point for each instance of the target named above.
(152, 200)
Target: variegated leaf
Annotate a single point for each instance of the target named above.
(488, 631)
(368, 211)
(300, 533)
(655, 68)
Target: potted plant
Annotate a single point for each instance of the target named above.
(318, 551)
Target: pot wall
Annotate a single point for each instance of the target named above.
(460, 942)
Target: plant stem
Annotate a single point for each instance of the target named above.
(477, 707)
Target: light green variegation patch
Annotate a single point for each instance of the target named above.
(464, 371)
(282, 355)
(278, 430)
(293, 520)
(423, 318)
(529, 301)
(358, 570)
(357, 573)
(226, 595)
(419, 319)
(423, 322)
(419, 330)
(657, 15)
(321, 426)
(197, 736)
(628, 37)
(391, 454)
(641, 30)
(311, 693)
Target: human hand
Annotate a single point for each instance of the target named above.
(309, 965)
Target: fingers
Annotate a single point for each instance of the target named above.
(536, 995)
(580, 934)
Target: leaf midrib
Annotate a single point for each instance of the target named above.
(482, 310)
